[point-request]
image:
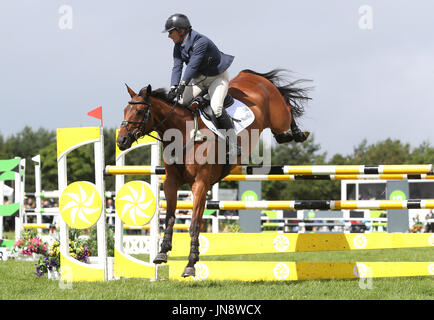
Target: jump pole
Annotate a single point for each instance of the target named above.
(38, 206)
(309, 204)
(19, 196)
(292, 170)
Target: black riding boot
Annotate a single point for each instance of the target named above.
(226, 122)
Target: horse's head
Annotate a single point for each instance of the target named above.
(136, 116)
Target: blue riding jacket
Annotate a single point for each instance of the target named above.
(201, 56)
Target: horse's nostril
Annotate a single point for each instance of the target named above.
(121, 142)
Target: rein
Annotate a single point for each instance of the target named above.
(197, 136)
(145, 120)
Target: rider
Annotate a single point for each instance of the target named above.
(206, 70)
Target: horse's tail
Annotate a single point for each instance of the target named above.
(293, 95)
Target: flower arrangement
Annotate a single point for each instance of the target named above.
(29, 244)
(417, 226)
(51, 262)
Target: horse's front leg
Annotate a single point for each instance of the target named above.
(171, 193)
(199, 190)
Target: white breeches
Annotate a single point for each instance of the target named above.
(217, 87)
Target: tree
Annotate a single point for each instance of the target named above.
(307, 153)
(383, 152)
(26, 144)
(423, 154)
(49, 167)
(3, 154)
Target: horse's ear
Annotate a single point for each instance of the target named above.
(130, 91)
(148, 90)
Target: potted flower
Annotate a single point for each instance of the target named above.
(417, 226)
(50, 263)
(29, 246)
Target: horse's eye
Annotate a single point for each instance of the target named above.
(140, 111)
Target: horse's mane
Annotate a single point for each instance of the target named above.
(293, 95)
(160, 93)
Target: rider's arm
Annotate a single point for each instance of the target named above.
(177, 66)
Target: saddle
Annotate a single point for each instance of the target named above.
(204, 104)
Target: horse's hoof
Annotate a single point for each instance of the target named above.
(302, 136)
(188, 272)
(283, 137)
(160, 258)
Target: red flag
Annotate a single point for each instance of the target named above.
(96, 113)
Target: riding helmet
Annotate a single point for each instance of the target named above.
(177, 21)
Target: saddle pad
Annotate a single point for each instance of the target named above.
(237, 111)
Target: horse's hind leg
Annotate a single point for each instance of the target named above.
(299, 136)
(293, 134)
(280, 129)
(199, 190)
(171, 193)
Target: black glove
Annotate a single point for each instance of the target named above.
(172, 92)
(180, 91)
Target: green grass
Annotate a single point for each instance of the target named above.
(17, 282)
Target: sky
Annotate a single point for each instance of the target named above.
(371, 62)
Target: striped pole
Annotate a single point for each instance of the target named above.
(37, 226)
(290, 177)
(309, 204)
(145, 170)
(288, 170)
(147, 227)
(328, 177)
(42, 210)
(336, 169)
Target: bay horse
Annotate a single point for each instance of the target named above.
(274, 106)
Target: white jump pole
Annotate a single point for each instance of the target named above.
(99, 182)
(18, 197)
(155, 221)
(37, 160)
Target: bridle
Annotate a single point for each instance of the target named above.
(141, 124)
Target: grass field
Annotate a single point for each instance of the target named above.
(17, 281)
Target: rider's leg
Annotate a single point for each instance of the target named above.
(217, 90)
